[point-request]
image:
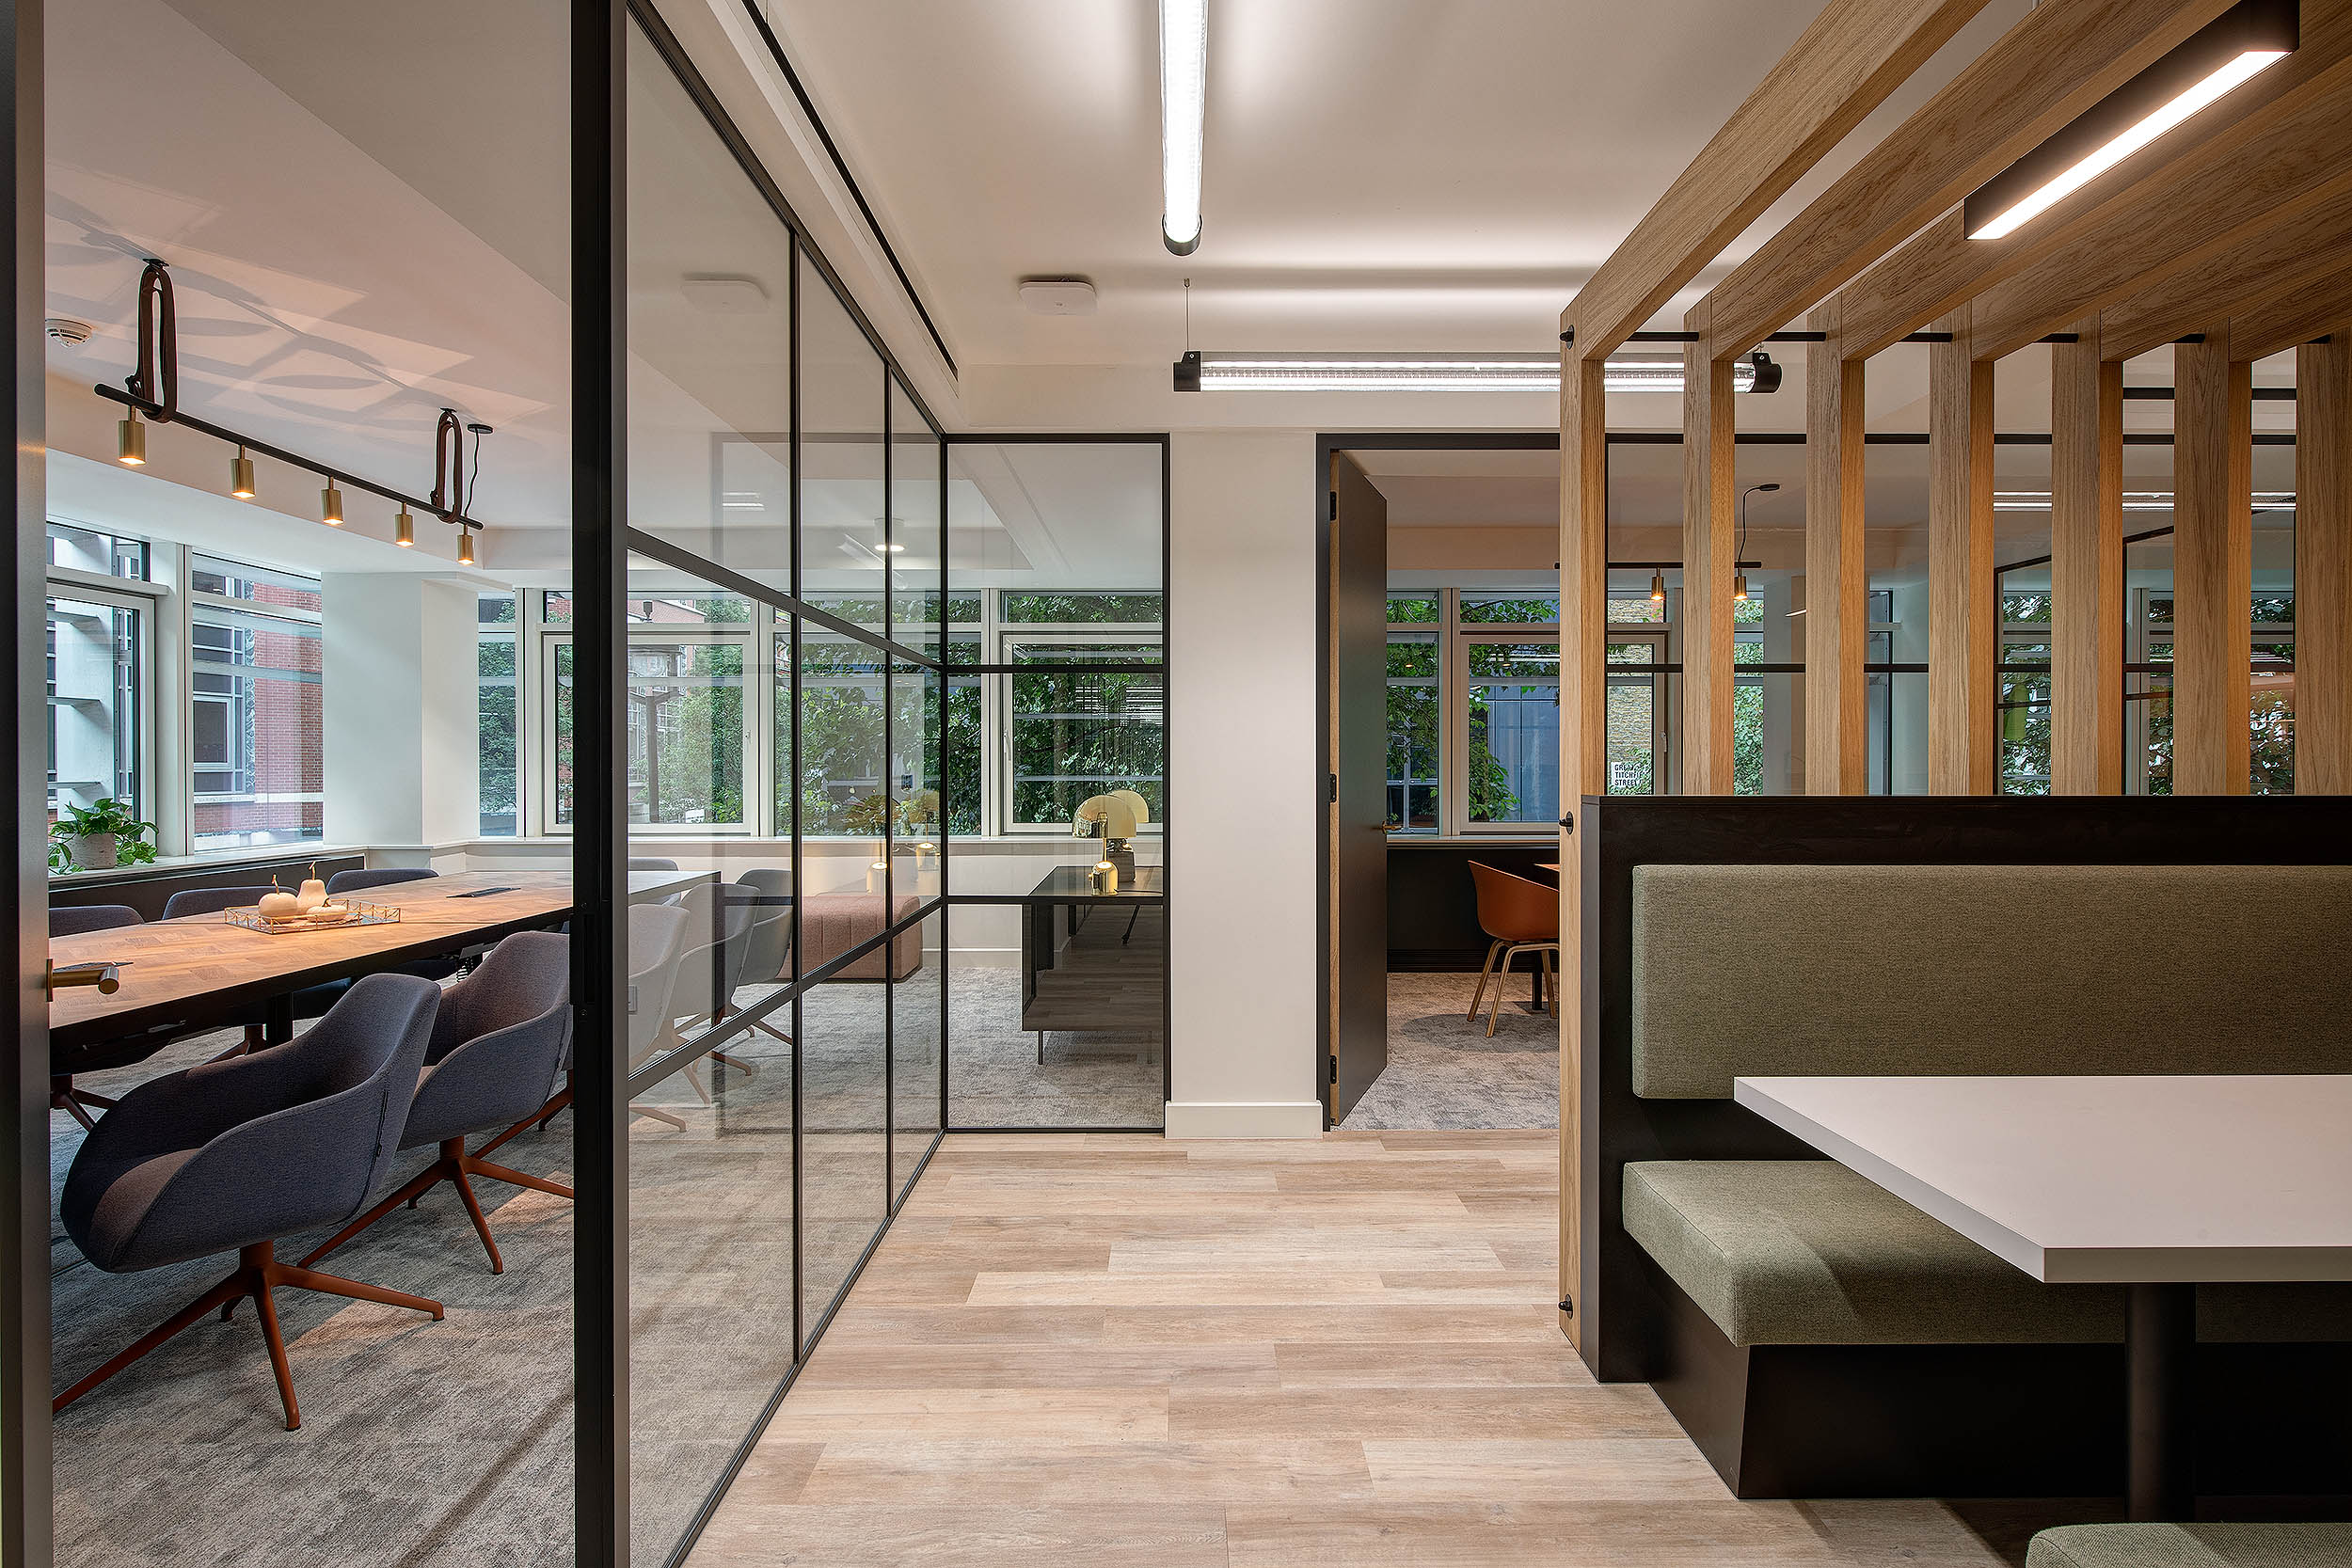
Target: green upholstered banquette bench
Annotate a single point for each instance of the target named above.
(2191, 1546)
(1816, 1334)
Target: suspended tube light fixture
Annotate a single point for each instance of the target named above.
(2236, 46)
(1203, 372)
(1183, 113)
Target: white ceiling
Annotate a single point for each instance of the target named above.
(1380, 174)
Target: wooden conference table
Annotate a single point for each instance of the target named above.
(200, 970)
(2157, 1183)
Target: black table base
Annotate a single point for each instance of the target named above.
(2160, 1357)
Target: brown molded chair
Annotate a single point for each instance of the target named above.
(1519, 916)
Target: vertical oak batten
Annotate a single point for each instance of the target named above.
(1837, 599)
(1962, 607)
(1709, 561)
(2212, 519)
(1583, 740)
(2085, 567)
(2322, 565)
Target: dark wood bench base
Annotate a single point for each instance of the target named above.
(1987, 1420)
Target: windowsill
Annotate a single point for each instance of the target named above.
(223, 859)
(1532, 836)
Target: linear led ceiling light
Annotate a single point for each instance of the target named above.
(2133, 500)
(1199, 372)
(1184, 109)
(2227, 51)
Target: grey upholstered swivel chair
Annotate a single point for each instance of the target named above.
(385, 876)
(497, 1043)
(718, 922)
(649, 862)
(656, 931)
(71, 920)
(232, 1155)
(212, 900)
(68, 920)
(768, 947)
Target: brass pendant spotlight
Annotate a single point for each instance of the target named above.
(1738, 578)
(150, 395)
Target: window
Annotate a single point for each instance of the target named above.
(1513, 756)
(1084, 732)
(495, 701)
(1413, 728)
(81, 549)
(2147, 699)
(2023, 696)
(255, 669)
(96, 685)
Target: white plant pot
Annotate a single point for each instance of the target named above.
(92, 851)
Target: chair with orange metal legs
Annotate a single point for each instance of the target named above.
(496, 1047)
(1518, 916)
(231, 1155)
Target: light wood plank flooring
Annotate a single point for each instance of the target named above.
(1089, 1352)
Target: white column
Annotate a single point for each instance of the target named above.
(402, 717)
(1244, 972)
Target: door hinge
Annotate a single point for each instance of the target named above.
(1333, 498)
(1331, 788)
(1334, 1062)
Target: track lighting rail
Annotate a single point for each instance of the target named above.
(292, 459)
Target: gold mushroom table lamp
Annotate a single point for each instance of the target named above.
(1115, 818)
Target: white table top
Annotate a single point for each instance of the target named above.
(2109, 1180)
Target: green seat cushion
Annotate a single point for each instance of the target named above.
(1805, 1252)
(2192, 1547)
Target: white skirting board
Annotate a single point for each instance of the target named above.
(1209, 1120)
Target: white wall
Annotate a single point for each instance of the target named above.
(402, 726)
(1244, 966)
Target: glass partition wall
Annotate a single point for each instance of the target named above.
(780, 724)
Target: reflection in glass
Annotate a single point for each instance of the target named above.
(844, 542)
(916, 548)
(918, 1023)
(843, 778)
(845, 1174)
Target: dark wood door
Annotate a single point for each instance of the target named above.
(1359, 746)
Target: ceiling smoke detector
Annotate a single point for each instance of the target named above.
(66, 329)
(1057, 296)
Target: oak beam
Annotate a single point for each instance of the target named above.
(2059, 60)
(1837, 617)
(1962, 609)
(2221, 168)
(2323, 564)
(1584, 745)
(2317, 310)
(2213, 587)
(2279, 263)
(1841, 67)
(2086, 566)
(1709, 559)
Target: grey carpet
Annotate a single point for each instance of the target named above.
(449, 1443)
(1088, 1079)
(1444, 1072)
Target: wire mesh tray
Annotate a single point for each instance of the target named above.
(354, 913)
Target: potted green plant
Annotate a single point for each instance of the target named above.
(99, 837)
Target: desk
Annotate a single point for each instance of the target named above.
(1078, 972)
(2151, 1182)
(201, 969)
